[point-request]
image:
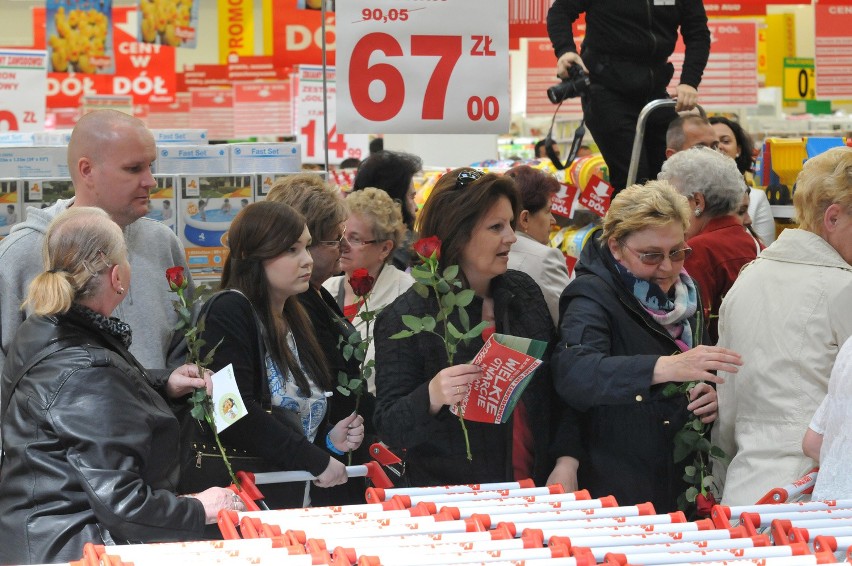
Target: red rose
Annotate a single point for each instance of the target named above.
(704, 504)
(361, 282)
(425, 247)
(176, 279)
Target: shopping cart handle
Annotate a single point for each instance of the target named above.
(371, 470)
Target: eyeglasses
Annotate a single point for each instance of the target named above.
(656, 258)
(356, 241)
(331, 243)
(467, 177)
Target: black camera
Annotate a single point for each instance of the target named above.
(577, 84)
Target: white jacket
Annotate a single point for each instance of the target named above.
(788, 314)
(390, 284)
(544, 264)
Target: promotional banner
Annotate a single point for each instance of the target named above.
(730, 77)
(744, 7)
(833, 55)
(144, 71)
(245, 28)
(262, 109)
(407, 66)
(309, 120)
(23, 82)
(79, 36)
(297, 37)
(528, 18)
(169, 22)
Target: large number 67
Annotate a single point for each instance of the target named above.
(362, 74)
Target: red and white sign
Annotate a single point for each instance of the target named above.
(565, 201)
(213, 110)
(298, 34)
(833, 56)
(541, 75)
(170, 115)
(23, 84)
(528, 18)
(262, 109)
(730, 77)
(596, 196)
(408, 66)
(309, 121)
(743, 7)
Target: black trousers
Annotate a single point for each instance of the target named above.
(611, 118)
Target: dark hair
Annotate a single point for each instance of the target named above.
(350, 163)
(263, 231)
(377, 145)
(541, 144)
(452, 211)
(745, 160)
(534, 185)
(391, 172)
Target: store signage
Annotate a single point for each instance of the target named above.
(833, 55)
(298, 34)
(213, 110)
(309, 120)
(79, 36)
(169, 22)
(262, 109)
(730, 77)
(241, 28)
(596, 195)
(408, 66)
(23, 84)
(799, 83)
(528, 18)
(743, 7)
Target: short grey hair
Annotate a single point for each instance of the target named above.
(706, 171)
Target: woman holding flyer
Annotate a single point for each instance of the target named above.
(279, 368)
(473, 215)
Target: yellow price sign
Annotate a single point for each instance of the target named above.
(799, 82)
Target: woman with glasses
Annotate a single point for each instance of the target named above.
(632, 323)
(374, 229)
(325, 213)
(715, 189)
(474, 217)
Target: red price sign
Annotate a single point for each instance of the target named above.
(309, 120)
(596, 196)
(23, 82)
(408, 66)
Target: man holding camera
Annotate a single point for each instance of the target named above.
(625, 54)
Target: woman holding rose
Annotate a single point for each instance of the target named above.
(473, 217)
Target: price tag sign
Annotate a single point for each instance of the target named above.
(596, 196)
(23, 81)
(411, 66)
(309, 120)
(799, 83)
(565, 201)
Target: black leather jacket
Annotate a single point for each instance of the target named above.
(90, 448)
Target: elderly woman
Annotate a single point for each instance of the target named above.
(531, 254)
(280, 369)
(89, 446)
(393, 172)
(720, 245)
(473, 215)
(374, 230)
(631, 324)
(790, 311)
(735, 142)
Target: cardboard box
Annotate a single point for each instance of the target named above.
(41, 193)
(10, 206)
(162, 204)
(208, 204)
(192, 159)
(254, 157)
(33, 162)
(180, 136)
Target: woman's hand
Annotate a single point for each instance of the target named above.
(703, 402)
(334, 474)
(348, 433)
(696, 365)
(565, 473)
(451, 385)
(214, 499)
(184, 380)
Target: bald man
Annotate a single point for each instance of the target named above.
(689, 131)
(109, 156)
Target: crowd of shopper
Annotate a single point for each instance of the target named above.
(671, 289)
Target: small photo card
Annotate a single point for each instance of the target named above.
(228, 406)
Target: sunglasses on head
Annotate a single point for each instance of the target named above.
(467, 177)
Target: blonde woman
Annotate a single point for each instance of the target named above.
(373, 230)
(89, 445)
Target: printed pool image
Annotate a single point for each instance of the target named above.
(206, 223)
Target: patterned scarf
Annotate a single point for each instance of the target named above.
(111, 325)
(672, 313)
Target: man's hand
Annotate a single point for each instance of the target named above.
(687, 98)
(564, 63)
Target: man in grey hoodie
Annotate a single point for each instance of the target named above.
(109, 157)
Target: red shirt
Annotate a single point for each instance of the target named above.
(718, 254)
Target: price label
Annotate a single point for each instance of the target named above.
(799, 83)
(23, 82)
(565, 201)
(596, 196)
(415, 66)
(309, 120)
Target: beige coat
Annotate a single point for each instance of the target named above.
(788, 314)
(544, 264)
